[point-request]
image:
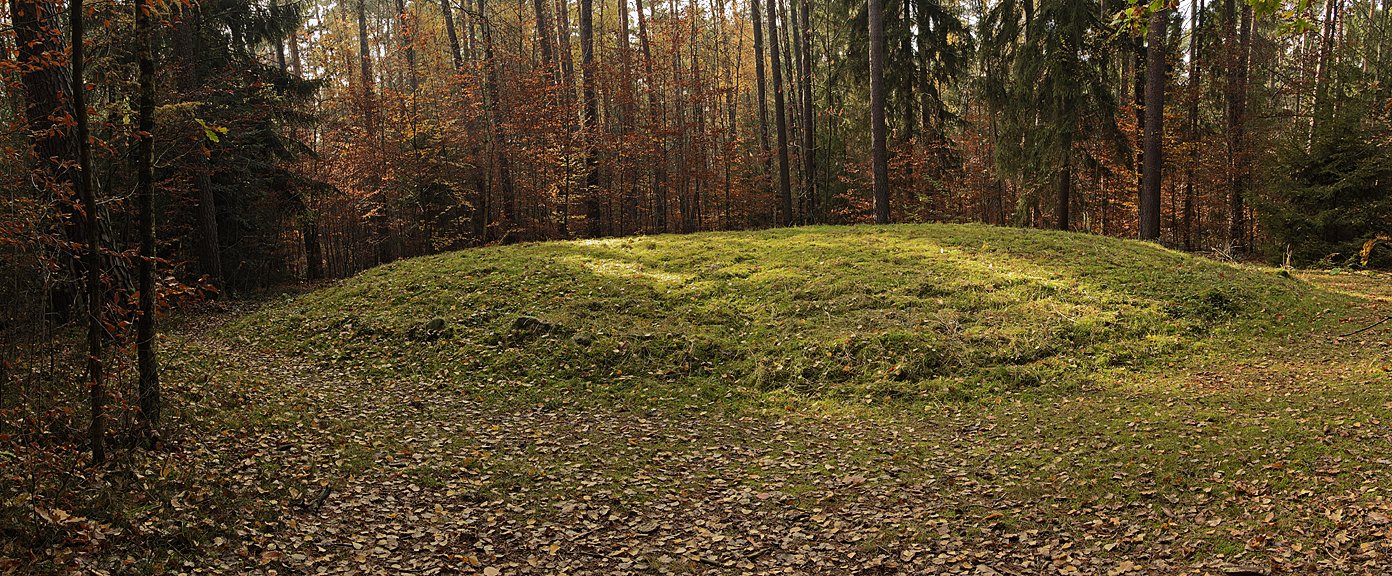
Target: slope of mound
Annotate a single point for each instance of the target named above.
(852, 313)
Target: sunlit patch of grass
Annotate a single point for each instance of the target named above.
(899, 313)
(1068, 375)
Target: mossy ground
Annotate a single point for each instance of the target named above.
(878, 315)
(1138, 402)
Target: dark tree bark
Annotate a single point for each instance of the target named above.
(495, 113)
(1196, 9)
(1320, 108)
(544, 38)
(907, 80)
(1065, 191)
(626, 120)
(1138, 88)
(880, 152)
(589, 119)
(785, 194)
(567, 62)
(381, 223)
(655, 111)
(455, 53)
(1238, 41)
(365, 61)
(1154, 126)
(91, 254)
(809, 119)
(761, 86)
(407, 37)
(146, 360)
(39, 43)
(309, 225)
(189, 82)
(278, 41)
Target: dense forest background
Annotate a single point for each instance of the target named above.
(303, 140)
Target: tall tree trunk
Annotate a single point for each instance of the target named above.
(680, 100)
(543, 37)
(407, 35)
(785, 196)
(880, 152)
(925, 112)
(381, 224)
(1065, 189)
(626, 111)
(761, 86)
(91, 255)
(1196, 9)
(793, 37)
(38, 45)
(809, 115)
(456, 55)
(147, 363)
(567, 102)
(1238, 38)
(365, 61)
(567, 62)
(589, 119)
(1326, 48)
(1154, 126)
(496, 120)
(907, 81)
(1138, 87)
(278, 41)
(309, 225)
(186, 48)
(657, 128)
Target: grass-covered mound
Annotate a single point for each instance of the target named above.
(841, 313)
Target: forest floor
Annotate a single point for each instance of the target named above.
(918, 399)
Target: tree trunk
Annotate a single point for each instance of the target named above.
(627, 112)
(1154, 126)
(1320, 108)
(761, 87)
(1238, 38)
(39, 43)
(1065, 190)
(381, 224)
(1138, 87)
(907, 81)
(785, 196)
(495, 114)
(809, 114)
(1196, 9)
(189, 81)
(365, 61)
(926, 117)
(147, 363)
(567, 63)
(91, 255)
(589, 119)
(880, 152)
(544, 38)
(657, 128)
(407, 36)
(455, 53)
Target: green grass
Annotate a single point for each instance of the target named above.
(1039, 380)
(840, 316)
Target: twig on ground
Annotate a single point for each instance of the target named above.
(1366, 328)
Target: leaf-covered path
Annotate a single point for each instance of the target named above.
(415, 476)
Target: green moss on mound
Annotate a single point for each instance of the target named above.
(839, 313)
